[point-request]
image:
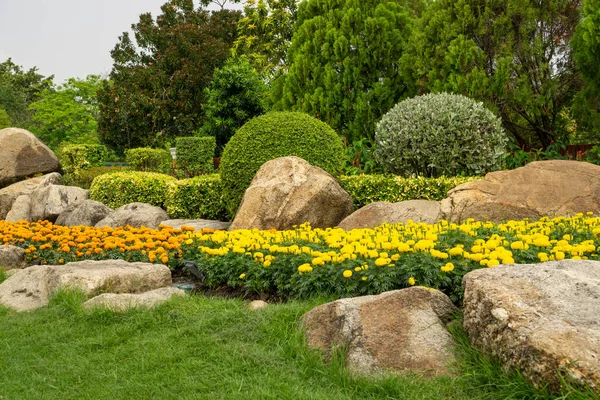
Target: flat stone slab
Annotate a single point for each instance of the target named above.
(197, 224)
(125, 301)
(31, 288)
(538, 318)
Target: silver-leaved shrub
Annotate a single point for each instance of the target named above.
(440, 134)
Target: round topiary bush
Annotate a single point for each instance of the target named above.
(273, 135)
(440, 134)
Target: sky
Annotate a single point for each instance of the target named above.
(67, 38)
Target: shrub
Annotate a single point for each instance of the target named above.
(195, 154)
(145, 159)
(273, 135)
(366, 189)
(120, 188)
(76, 158)
(440, 134)
(199, 197)
(85, 178)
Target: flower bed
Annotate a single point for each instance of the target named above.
(307, 262)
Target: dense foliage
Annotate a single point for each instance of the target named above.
(77, 158)
(235, 95)
(120, 188)
(367, 189)
(156, 86)
(440, 134)
(514, 55)
(273, 135)
(200, 197)
(343, 63)
(67, 113)
(195, 154)
(145, 159)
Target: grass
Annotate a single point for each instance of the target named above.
(208, 348)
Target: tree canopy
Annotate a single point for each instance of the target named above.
(512, 54)
(343, 63)
(156, 86)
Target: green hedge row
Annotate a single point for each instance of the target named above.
(201, 197)
(366, 189)
(146, 159)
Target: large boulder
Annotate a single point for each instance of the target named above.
(48, 202)
(30, 288)
(88, 213)
(402, 330)
(22, 155)
(288, 191)
(11, 257)
(125, 301)
(21, 209)
(9, 194)
(136, 215)
(377, 213)
(542, 188)
(539, 318)
(197, 224)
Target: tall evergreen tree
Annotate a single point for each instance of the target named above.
(513, 55)
(344, 63)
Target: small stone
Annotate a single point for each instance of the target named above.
(257, 305)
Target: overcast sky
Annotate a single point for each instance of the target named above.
(67, 38)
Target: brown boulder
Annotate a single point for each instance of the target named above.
(538, 318)
(11, 257)
(88, 213)
(22, 154)
(30, 288)
(136, 215)
(9, 194)
(49, 201)
(288, 191)
(377, 213)
(542, 188)
(402, 330)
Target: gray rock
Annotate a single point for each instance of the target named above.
(197, 224)
(9, 194)
(12, 256)
(125, 301)
(402, 330)
(257, 305)
(538, 318)
(377, 213)
(135, 215)
(30, 288)
(88, 213)
(48, 202)
(21, 209)
(288, 191)
(22, 155)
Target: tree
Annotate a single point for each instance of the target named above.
(265, 33)
(513, 55)
(235, 95)
(68, 113)
(156, 86)
(344, 63)
(18, 88)
(586, 50)
(5, 121)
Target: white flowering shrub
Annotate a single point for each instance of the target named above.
(440, 134)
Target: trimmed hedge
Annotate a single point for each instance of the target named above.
(273, 135)
(366, 189)
(145, 159)
(120, 188)
(196, 198)
(195, 154)
(76, 158)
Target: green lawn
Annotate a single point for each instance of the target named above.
(206, 348)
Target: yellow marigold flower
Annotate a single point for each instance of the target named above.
(411, 281)
(242, 276)
(380, 262)
(559, 255)
(493, 263)
(456, 251)
(347, 273)
(448, 267)
(267, 264)
(304, 268)
(364, 278)
(318, 261)
(543, 257)
(357, 269)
